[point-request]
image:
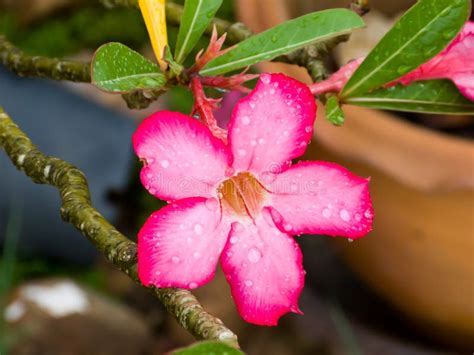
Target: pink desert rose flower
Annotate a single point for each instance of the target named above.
(241, 202)
(455, 62)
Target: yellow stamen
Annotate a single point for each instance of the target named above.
(153, 12)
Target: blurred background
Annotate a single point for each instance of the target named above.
(406, 288)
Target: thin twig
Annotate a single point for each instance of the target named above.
(76, 208)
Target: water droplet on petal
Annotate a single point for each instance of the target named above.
(368, 213)
(193, 285)
(248, 283)
(268, 177)
(326, 213)
(345, 216)
(165, 163)
(265, 77)
(246, 120)
(175, 259)
(242, 152)
(196, 255)
(261, 141)
(254, 255)
(198, 229)
(350, 240)
(233, 240)
(287, 227)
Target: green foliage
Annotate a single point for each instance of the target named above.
(117, 68)
(420, 34)
(208, 348)
(179, 99)
(8, 24)
(285, 38)
(431, 96)
(196, 17)
(174, 68)
(334, 113)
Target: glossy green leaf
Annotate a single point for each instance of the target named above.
(334, 113)
(421, 33)
(285, 38)
(197, 15)
(208, 348)
(432, 96)
(117, 68)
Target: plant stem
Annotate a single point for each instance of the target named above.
(57, 69)
(76, 208)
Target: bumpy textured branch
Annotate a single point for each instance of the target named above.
(58, 69)
(53, 68)
(76, 209)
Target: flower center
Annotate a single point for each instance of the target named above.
(243, 193)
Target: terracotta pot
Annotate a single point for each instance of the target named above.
(420, 253)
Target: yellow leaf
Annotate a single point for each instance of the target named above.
(153, 12)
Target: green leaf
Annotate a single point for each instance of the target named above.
(174, 68)
(334, 113)
(197, 15)
(285, 38)
(421, 33)
(117, 68)
(208, 348)
(431, 96)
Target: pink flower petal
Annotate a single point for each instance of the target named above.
(182, 158)
(264, 269)
(455, 62)
(272, 125)
(180, 244)
(337, 80)
(321, 198)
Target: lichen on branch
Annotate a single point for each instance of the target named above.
(76, 208)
